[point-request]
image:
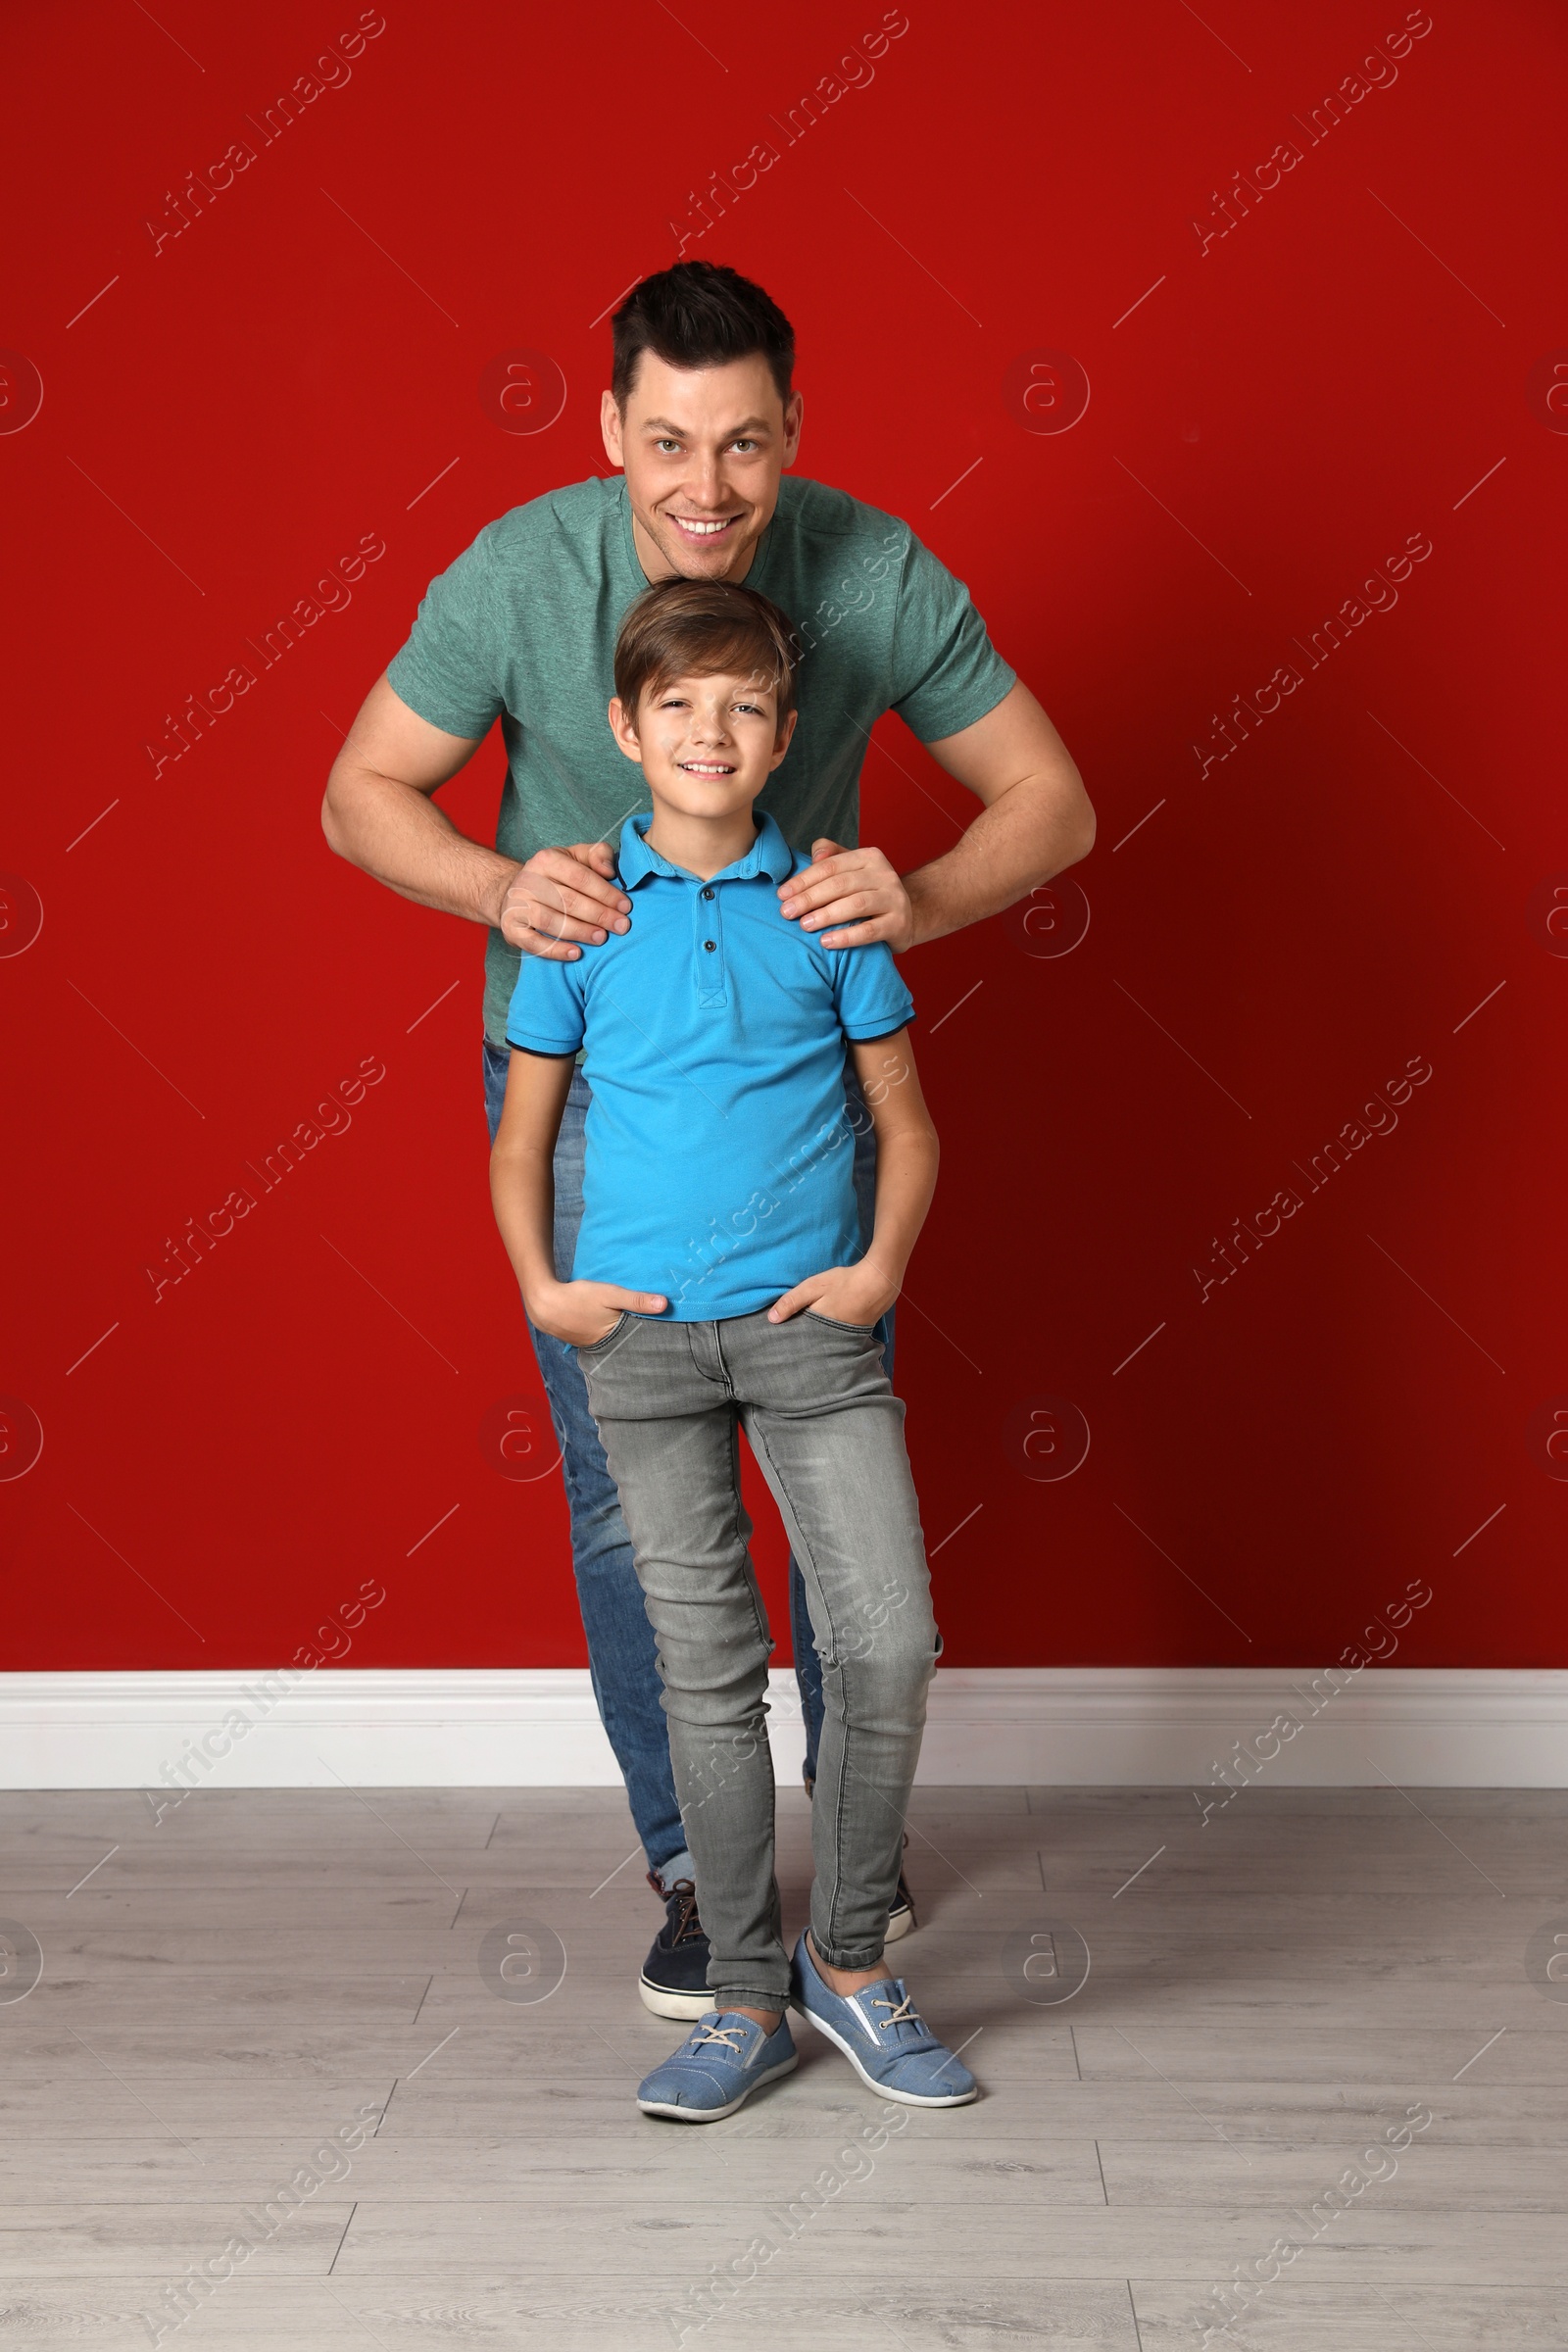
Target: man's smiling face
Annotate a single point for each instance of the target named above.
(701, 450)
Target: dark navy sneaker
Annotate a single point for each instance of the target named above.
(675, 1977)
(722, 2060)
(884, 2037)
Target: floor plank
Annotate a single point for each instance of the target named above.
(1271, 1990)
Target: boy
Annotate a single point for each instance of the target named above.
(717, 1285)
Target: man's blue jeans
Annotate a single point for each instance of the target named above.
(622, 1663)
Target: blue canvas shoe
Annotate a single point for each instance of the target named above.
(889, 2046)
(724, 2059)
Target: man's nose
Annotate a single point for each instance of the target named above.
(704, 485)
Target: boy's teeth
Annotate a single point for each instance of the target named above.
(687, 525)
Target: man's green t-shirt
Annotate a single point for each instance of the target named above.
(521, 627)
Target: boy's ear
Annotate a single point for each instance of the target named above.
(624, 732)
(782, 744)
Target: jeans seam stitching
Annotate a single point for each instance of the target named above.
(765, 1631)
(692, 1330)
(760, 1438)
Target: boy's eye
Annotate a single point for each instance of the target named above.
(666, 443)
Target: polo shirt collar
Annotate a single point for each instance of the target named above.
(769, 853)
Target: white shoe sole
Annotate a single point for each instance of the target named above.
(899, 1923)
(679, 2005)
(716, 2115)
(904, 2099)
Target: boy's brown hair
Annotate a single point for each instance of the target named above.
(702, 629)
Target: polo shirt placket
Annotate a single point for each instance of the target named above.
(707, 947)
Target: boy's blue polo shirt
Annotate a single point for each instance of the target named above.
(719, 1153)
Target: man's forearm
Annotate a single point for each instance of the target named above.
(1027, 834)
(397, 833)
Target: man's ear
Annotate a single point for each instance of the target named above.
(609, 429)
(622, 728)
(782, 745)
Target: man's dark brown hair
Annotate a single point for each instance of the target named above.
(704, 629)
(699, 315)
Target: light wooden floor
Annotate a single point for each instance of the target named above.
(1267, 1997)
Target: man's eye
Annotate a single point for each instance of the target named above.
(666, 444)
(743, 444)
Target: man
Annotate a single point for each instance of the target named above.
(703, 421)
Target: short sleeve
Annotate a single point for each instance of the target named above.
(870, 992)
(546, 1014)
(946, 671)
(449, 669)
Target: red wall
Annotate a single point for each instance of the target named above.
(1363, 361)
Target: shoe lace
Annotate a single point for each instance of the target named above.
(688, 1926)
(724, 2034)
(903, 2013)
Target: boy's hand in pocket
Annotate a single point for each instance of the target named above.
(861, 1294)
(584, 1312)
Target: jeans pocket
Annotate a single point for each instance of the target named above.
(863, 1330)
(595, 1347)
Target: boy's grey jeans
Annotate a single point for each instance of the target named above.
(820, 1417)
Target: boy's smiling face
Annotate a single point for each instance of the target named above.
(706, 745)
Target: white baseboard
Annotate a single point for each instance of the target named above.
(1090, 1725)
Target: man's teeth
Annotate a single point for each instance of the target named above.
(704, 528)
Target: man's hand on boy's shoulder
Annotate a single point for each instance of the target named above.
(859, 1294)
(562, 898)
(584, 1312)
(848, 898)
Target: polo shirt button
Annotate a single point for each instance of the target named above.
(708, 894)
(711, 945)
